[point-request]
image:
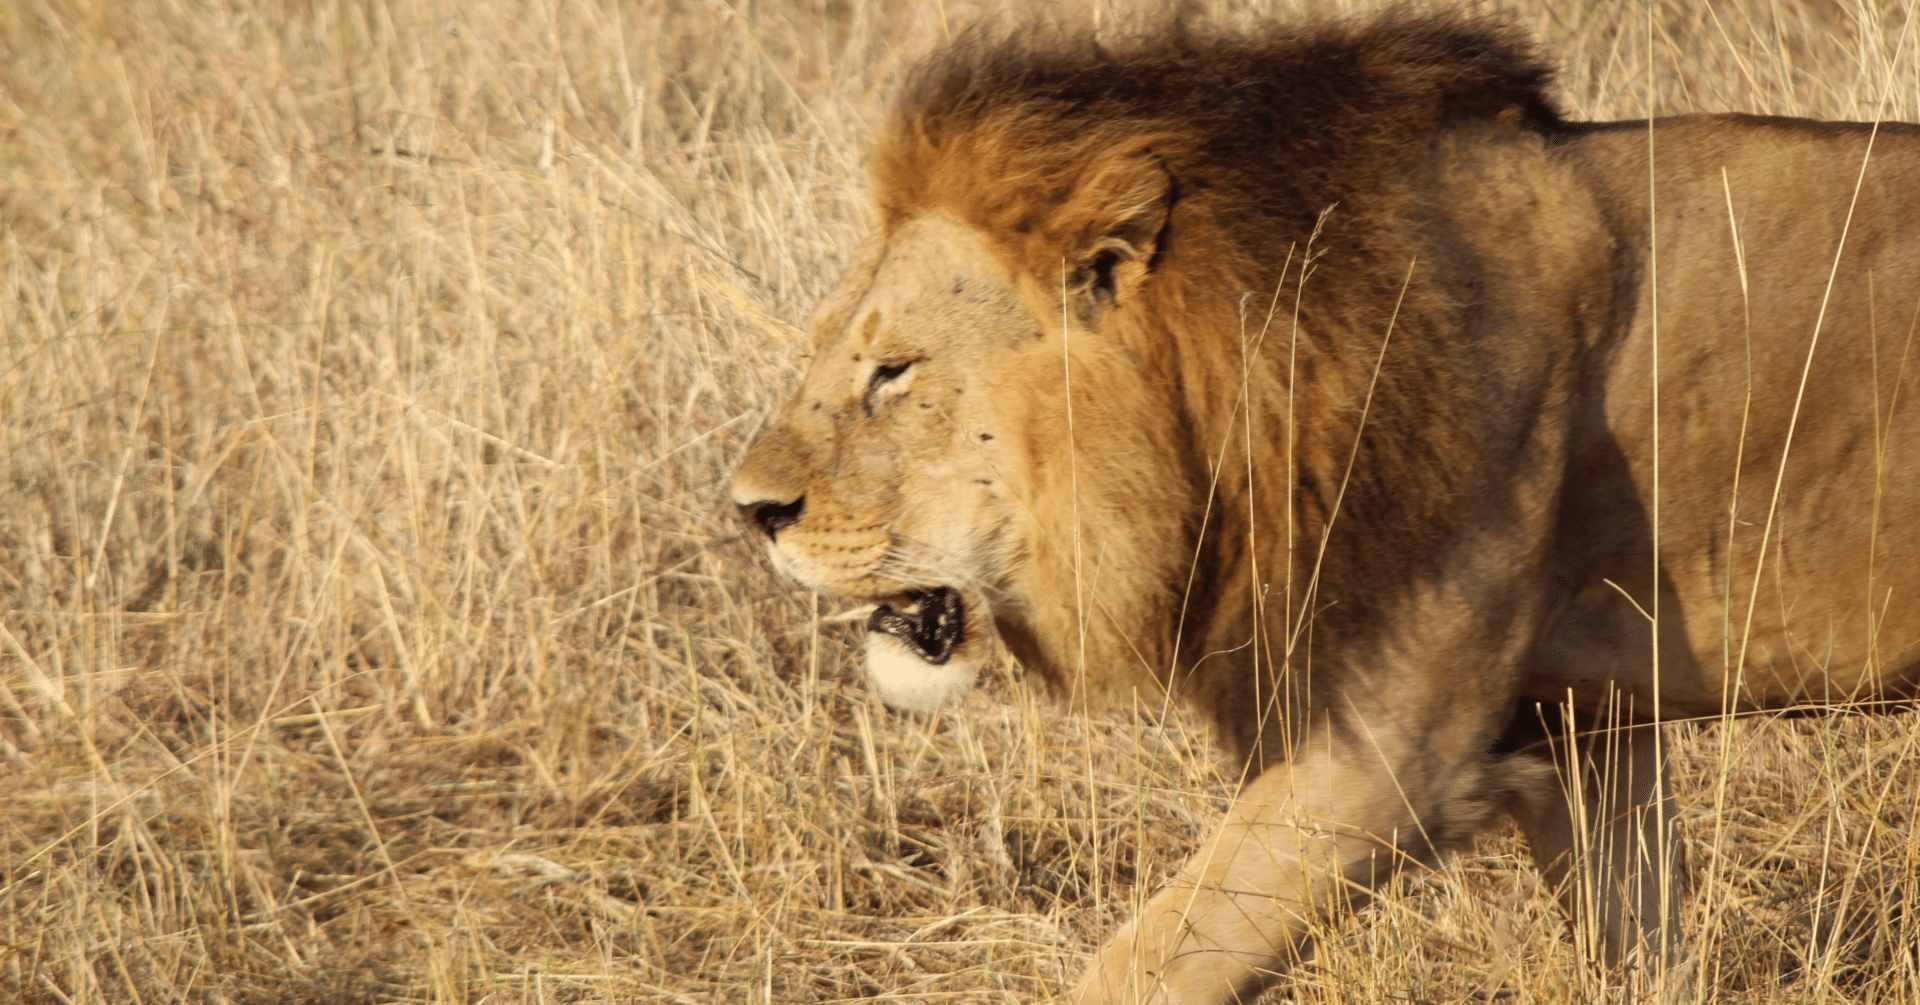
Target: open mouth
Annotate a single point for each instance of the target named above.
(932, 623)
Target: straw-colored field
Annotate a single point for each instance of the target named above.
(373, 628)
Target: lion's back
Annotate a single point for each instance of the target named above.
(1773, 272)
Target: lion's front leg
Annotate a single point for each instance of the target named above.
(1302, 839)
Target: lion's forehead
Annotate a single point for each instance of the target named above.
(936, 279)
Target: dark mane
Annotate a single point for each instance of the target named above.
(1274, 75)
(1249, 107)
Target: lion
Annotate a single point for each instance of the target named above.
(1433, 447)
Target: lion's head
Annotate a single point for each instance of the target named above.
(1053, 388)
(925, 462)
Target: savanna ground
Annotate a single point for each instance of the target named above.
(373, 628)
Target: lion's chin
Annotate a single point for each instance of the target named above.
(905, 681)
(922, 654)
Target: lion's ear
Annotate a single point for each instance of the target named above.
(1116, 220)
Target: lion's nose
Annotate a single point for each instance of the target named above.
(773, 516)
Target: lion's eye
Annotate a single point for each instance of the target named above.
(883, 374)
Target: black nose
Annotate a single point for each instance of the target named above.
(771, 516)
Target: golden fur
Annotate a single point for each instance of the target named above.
(1308, 375)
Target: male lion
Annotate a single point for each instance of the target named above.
(1327, 379)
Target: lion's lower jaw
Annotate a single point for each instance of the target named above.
(905, 681)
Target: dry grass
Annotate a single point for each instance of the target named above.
(371, 628)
